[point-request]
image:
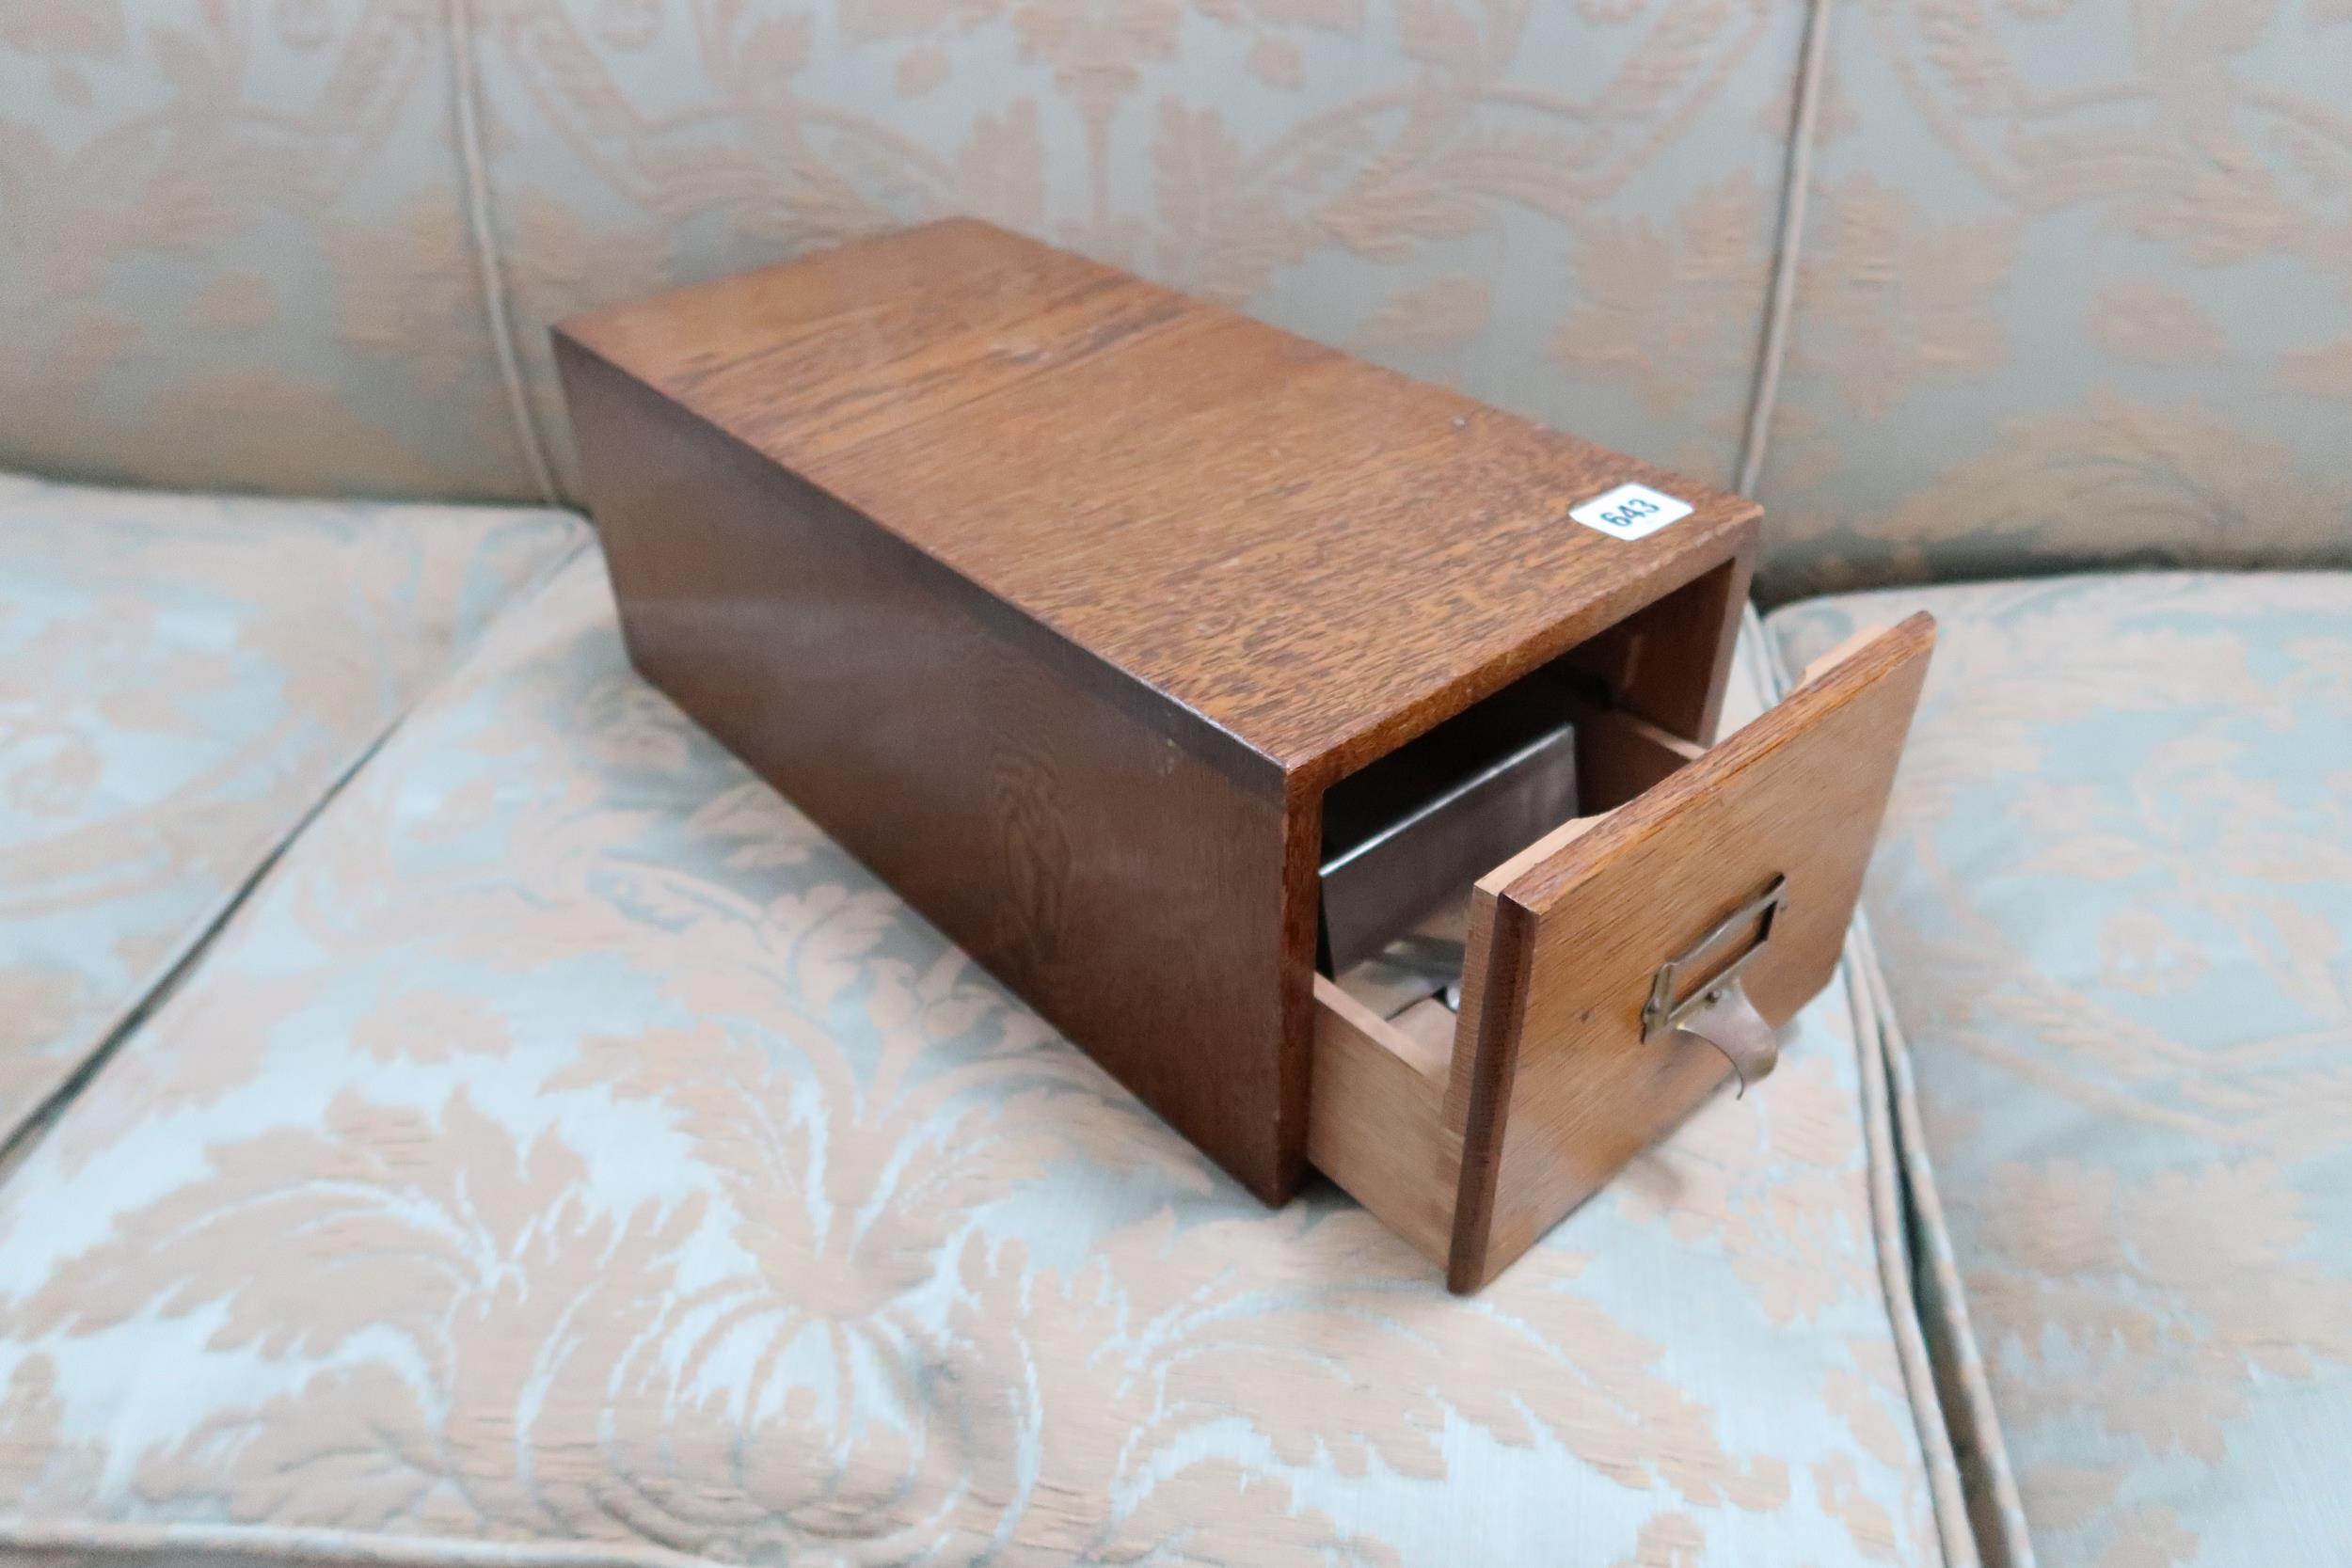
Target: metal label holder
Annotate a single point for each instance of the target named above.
(1718, 1010)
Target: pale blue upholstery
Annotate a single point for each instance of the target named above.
(2114, 910)
(183, 680)
(632, 1169)
(2072, 285)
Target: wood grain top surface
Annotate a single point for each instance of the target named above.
(1315, 556)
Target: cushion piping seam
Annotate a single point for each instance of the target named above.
(18, 1134)
(457, 21)
(1945, 1486)
(2015, 1545)
(297, 1543)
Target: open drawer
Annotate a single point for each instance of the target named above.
(1615, 969)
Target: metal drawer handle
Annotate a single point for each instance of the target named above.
(1719, 1011)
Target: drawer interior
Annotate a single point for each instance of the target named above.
(1405, 836)
(1393, 1056)
(1407, 972)
(1407, 832)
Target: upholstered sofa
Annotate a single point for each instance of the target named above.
(455, 1113)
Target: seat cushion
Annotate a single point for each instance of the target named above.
(567, 1142)
(181, 680)
(2113, 907)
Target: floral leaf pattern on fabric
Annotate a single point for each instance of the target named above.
(2054, 247)
(567, 1142)
(2112, 902)
(233, 252)
(221, 211)
(1338, 167)
(2077, 290)
(181, 681)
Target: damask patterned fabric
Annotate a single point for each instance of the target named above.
(634, 1169)
(2075, 288)
(207, 208)
(235, 251)
(1569, 208)
(181, 680)
(2076, 282)
(2113, 907)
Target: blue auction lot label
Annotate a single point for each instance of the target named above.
(1631, 511)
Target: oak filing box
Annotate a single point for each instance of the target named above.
(1062, 600)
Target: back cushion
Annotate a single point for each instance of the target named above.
(2076, 291)
(233, 253)
(2075, 287)
(265, 207)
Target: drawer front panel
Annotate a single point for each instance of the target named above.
(1553, 1084)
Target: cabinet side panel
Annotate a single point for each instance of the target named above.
(1130, 889)
(1670, 662)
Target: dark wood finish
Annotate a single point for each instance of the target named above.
(1313, 553)
(1060, 599)
(1131, 890)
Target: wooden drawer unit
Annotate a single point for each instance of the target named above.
(1065, 601)
(1565, 1062)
